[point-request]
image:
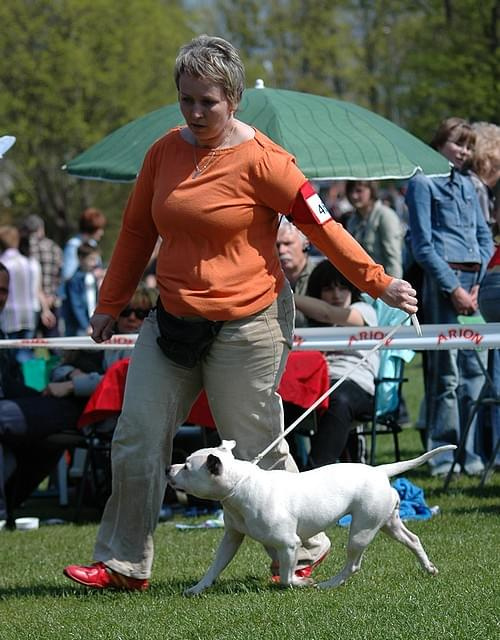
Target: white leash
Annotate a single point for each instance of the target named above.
(291, 427)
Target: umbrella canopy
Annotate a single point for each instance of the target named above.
(330, 139)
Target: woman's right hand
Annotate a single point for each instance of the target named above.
(102, 327)
(402, 295)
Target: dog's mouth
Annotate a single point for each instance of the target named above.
(171, 480)
(170, 477)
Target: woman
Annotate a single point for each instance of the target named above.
(375, 226)
(451, 242)
(485, 176)
(485, 170)
(224, 320)
(18, 317)
(333, 300)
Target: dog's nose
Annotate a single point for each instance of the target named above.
(167, 470)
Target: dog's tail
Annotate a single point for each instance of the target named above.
(395, 468)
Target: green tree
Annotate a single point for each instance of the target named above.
(70, 72)
(306, 36)
(290, 44)
(242, 25)
(453, 66)
(413, 63)
(374, 53)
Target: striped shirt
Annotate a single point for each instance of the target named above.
(50, 256)
(19, 310)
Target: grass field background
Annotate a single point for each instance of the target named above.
(391, 597)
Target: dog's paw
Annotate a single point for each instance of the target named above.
(331, 584)
(193, 591)
(432, 569)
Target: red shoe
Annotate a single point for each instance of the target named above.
(99, 576)
(303, 572)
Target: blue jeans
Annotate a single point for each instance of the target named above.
(489, 304)
(453, 381)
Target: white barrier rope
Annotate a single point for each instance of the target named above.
(434, 336)
(119, 341)
(371, 339)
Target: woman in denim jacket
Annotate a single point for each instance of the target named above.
(485, 175)
(451, 242)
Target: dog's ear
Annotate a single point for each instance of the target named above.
(214, 465)
(228, 445)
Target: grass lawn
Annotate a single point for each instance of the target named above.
(390, 598)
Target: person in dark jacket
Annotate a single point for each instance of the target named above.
(26, 418)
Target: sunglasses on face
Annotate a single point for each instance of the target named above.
(140, 314)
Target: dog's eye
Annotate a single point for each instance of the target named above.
(185, 466)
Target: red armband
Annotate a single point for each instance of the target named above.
(308, 207)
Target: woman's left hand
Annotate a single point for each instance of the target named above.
(474, 294)
(402, 295)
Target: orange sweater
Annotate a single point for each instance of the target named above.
(218, 257)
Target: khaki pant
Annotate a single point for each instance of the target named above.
(240, 375)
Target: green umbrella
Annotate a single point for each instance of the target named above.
(331, 139)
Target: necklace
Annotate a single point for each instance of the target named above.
(203, 166)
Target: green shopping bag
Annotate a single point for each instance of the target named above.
(36, 372)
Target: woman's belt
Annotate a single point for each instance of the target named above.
(473, 267)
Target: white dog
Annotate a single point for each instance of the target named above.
(280, 508)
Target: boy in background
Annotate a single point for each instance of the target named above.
(81, 292)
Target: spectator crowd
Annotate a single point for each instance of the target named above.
(440, 233)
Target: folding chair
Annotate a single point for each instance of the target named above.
(385, 417)
(96, 472)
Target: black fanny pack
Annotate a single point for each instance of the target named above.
(182, 341)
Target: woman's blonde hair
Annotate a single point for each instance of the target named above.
(486, 157)
(214, 59)
(143, 297)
